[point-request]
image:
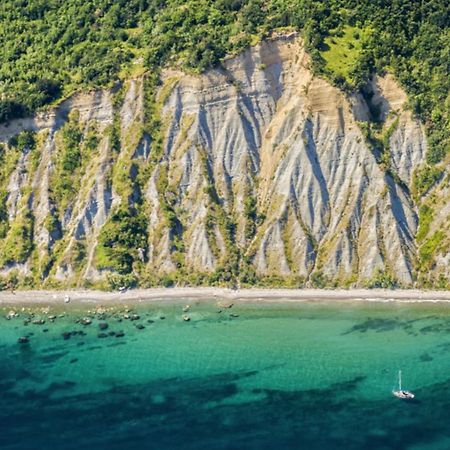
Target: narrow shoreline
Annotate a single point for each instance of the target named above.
(212, 293)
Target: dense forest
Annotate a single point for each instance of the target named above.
(50, 48)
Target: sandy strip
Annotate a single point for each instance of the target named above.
(225, 295)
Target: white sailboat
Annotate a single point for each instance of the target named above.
(401, 393)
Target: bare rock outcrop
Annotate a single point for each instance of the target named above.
(259, 159)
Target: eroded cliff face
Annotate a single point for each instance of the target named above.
(253, 171)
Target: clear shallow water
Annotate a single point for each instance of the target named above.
(277, 376)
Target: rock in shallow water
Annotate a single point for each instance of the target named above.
(68, 334)
(38, 322)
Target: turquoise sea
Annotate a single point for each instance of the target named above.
(272, 376)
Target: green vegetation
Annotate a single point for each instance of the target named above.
(428, 250)
(8, 159)
(71, 159)
(123, 240)
(426, 215)
(24, 140)
(4, 222)
(120, 240)
(382, 280)
(343, 52)
(79, 254)
(228, 270)
(17, 235)
(378, 139)
(320, 280)
(116, 281)
(251, 216)
(18, 244)
(424, 179)
(52, 48)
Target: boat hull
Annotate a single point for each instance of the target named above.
(406, 395)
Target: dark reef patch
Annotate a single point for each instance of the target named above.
(52, 357)
(379, 325)
(425, 357)
(189, 414)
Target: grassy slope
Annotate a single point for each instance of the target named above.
(342, 50)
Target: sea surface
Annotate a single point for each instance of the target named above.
(255, 376)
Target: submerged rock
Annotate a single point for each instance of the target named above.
(103, 326)
(68, 334)
(23, 340)
(225, 304)
(38, 322)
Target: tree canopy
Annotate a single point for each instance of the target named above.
(50, 48)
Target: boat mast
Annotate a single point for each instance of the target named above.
(399, 380)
